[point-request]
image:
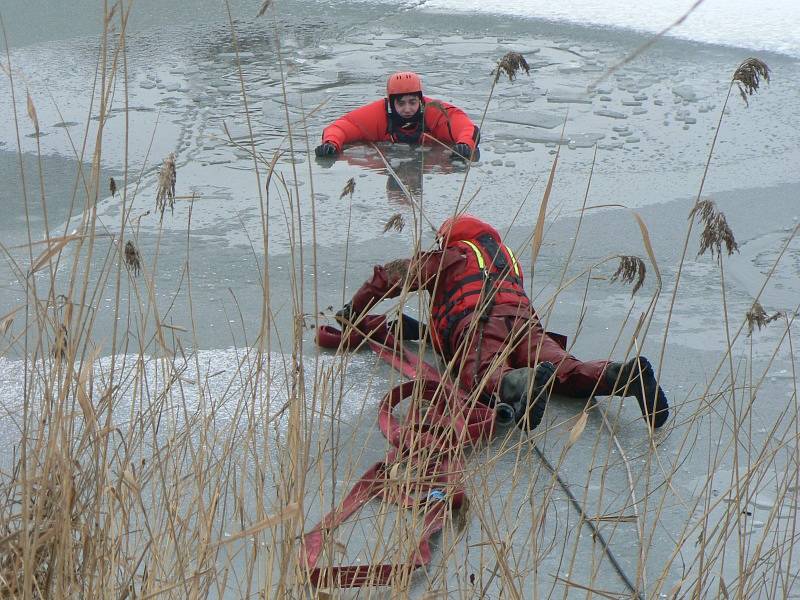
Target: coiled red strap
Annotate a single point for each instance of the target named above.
(430, 443)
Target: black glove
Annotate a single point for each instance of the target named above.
(463, 152)
(412, 329)
(345, 315)
(325, 149)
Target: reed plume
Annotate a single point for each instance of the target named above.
(748, 76)
(133, 260)
(758, 317)
(396, 222)
(630, 269)
(348, 189)
(511, 64)
(716, 231)
(264, 7)
(60, 344)
(166, 185)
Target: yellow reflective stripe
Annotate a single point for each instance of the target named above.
(513, 260)
(478, 254)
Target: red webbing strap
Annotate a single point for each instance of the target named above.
(437, 433)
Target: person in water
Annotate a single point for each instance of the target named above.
(482, 321)
(405, 116)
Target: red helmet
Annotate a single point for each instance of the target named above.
(404, 82)
(465, 227)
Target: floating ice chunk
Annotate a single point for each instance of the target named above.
(234, 55)
(535, 118)
(610, 113)
(763, 501)
(568, 97)
(686, 92)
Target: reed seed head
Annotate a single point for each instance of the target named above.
(264, 7)
(166, 185)
(112, 186)
(133, 260)
(348, 189)
(60, 345)
(631, 269)
(758, 317)
(32, 113)
(396, 222)
(716, 231)
(748, 76)
(511, 64)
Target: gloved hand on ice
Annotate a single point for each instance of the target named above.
(325, 149)
(463, 152)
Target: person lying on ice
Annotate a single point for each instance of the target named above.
(482, 320)
(405, 115)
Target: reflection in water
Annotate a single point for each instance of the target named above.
(408, 166)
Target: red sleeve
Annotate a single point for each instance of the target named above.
(365, 124)
(389, 280)
(449, 124)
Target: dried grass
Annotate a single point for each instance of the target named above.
(143, 480)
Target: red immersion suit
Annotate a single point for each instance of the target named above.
(476, 276)
(371, 123)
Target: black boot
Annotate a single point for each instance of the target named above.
(636, 378)
(524, 390)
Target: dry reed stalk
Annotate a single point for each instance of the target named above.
(630, 269)
(165, 193)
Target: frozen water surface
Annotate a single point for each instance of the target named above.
(184, 92)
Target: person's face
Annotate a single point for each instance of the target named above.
(406, 106)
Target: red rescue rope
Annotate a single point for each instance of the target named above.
(430, 442)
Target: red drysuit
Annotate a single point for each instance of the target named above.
(475, 273)
(371, 123)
